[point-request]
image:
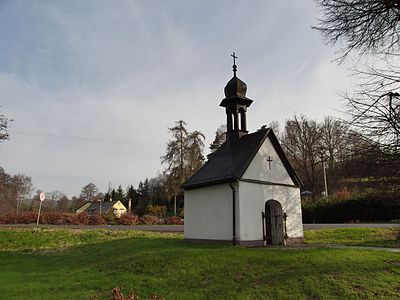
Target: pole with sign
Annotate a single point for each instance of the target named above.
(42, 196)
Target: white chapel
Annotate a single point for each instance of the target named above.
(247, 193)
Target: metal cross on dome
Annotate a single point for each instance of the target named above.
(234, 63)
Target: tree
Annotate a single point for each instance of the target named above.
(4, 135)
(195, 146)
(22, 188)
(119, 194)
(220, 138)
(89, 192)
(6, 200)
(369, 27)
(301, 142)
(374, 107)
(144, 199)
(64, 204)
(176, 150)
(184, 156)
(364, 26)
(133, 195)
(334, 139)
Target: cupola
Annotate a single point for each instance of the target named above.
(235, 103)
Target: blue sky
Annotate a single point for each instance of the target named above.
(118, 73)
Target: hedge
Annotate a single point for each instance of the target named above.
(361, 208)
(60, 218)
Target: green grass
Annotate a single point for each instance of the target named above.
(378, 237)
(87, 264)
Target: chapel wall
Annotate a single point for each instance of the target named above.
(208, 213)
(252, 198)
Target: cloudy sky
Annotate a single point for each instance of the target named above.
(93, 85)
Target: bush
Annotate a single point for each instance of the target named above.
(82, 219)
(128, 219)
(75, 219)
(10, 218)
(173, 220)
(96, 220)
(375, 206)
(110, 218)
(53, 218)
(149, 220)
(156, 210)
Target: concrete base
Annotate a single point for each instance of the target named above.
(256, 243)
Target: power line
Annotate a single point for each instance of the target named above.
(87, 139)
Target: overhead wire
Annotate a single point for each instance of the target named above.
(87, 139)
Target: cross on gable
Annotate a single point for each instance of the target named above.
(269, 160)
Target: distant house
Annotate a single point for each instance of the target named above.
(82, 208)
(97, 208)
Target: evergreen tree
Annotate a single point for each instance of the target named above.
(133, 195)
(107, 197)
(112, 195)
(219, 139)
(119, 194)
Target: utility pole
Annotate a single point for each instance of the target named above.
(323, 168)
(175, 204)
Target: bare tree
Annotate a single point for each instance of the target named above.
(374, 106)
(334, 139)
(22, 188)
(89, 192)
(369, 27)
(364, 26)
(301, 142)
(4, 135)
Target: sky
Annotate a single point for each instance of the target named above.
(92, 86)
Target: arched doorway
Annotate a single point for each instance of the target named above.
(273, 223)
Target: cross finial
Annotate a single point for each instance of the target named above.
(234, 63)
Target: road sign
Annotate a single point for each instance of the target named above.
(42, 196)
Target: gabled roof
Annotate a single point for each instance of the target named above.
(229, 163)
(94, 208)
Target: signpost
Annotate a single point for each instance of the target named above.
(42, 196)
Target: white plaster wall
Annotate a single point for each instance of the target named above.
(208, 213)
(252, 198)
(259, 167)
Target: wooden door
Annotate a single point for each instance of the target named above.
(273, 222)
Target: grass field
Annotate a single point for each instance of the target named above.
(378, 237)
(88, 264)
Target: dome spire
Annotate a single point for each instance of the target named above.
(234, 64)
(236, 104)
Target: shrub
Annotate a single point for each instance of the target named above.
(53, 218)
(82, 219)
(96, 220)
(157, 210)
(110, 218)
(128, 219)
(173, 220)
(149, 220)
(20, 218)
(10, 218)
(375, 206)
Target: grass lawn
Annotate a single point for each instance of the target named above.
(88, 264)
(379, 237)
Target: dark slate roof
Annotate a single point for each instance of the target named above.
(229, 163)
(94, 208)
